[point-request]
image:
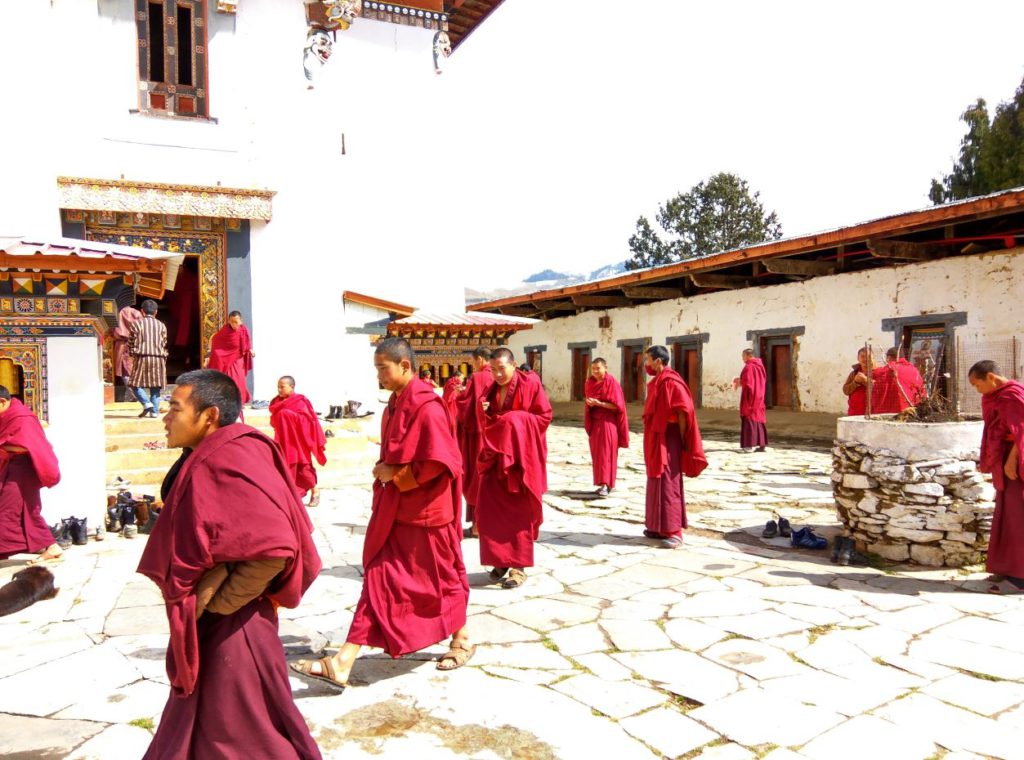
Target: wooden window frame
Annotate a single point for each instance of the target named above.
(170, 97)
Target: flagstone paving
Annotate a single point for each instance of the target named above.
(734, 647)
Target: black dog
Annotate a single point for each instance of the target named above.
(27, 587)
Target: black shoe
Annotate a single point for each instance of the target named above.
(113, 519)
(79, 531)
(602, 491)
(64, 539)
(837, 548)
(848, 554)
(148, 527)
(651, 534)
(145, 412)
(771, 529)
(127, 514)
(785, 529)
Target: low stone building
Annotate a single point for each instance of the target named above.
(943, 282)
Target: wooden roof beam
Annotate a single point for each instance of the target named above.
(544, 308)
(900, 249)
(652, 294)
(720, 281)
(602, 301)
(799, 267)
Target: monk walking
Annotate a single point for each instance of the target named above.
(604, 419)
(471, 422)
(233, 543)
(1002, 455)
(298, 432)
(897, 386)
(27, 463)
(128, 316)
(752, 381)
(231, 353)
(511, 469)
(148, 348)
(415, 590)
(672, 448)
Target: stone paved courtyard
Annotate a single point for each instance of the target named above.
(733, 647)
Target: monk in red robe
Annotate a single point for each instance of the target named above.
(298, 432)
(511, 469)
(27, 463)
(896, 386)
(604, 419)
(1002, 455)
(415, 590)
(856, 385)
(752, 382)
(122, 339)
(233, 543)
(450, 395)
(231, 353)
(672, 448)
(471, 423)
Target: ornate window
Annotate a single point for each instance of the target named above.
(172, 57)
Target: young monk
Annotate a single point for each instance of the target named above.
(752, 381)
(856, 385)
(298, 432)
(1002, 455)
(233, 543)
(415, 590)
(471, 421)
(604, 419)
(511, 469)
(672, 448)
(897, 386)
(27, 464)
(231, 353)
(450, 395)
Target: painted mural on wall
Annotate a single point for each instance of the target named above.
(442, 49)
(319, 47)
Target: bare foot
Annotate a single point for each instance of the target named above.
(50, 552)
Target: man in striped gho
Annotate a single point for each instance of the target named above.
(148, 348)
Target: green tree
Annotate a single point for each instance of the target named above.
(718, 214)
(991, 152)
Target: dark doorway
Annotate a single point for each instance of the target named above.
(777, 354)
(12, 377)
(535, 361)
(929, 348)
(686, 361)
(179, 311)
(580, 370)
(633, 384)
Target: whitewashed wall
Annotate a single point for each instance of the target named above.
(838, 313)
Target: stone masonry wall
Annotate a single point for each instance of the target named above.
(936, 512)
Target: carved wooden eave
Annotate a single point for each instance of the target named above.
(186, 200)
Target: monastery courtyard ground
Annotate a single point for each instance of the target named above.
(733, 647)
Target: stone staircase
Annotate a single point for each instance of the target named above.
(351, 453)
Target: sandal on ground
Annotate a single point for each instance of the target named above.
(651, 534)
(516, 578)
(326, 674)
(468, 533)
(497, 573)
(458, 655)
(671, 542)
(314, 502)
(1004, 588)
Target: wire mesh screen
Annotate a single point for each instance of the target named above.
(1005, 353)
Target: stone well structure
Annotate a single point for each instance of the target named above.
(912, 491)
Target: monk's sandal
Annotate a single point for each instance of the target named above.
(516, 578)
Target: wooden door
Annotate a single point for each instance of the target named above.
(691, 371)
(634, 380)
(580, 370)
(777, 354)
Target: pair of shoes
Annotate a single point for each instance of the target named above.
(336, 413)
(805, 538)
(771, 529)
(602, 491)
(259, 405)
(71, 530)
(672, 542)
(516, 578)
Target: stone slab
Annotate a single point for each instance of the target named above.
(751, 717)
(616, 700)
(668, 731)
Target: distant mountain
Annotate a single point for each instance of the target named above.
(547, 279)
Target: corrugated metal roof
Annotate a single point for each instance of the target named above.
(469, 318)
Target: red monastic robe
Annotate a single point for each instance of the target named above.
(753, 382)
(230, 353)
(122, 337)
(608, 429)
(897, 385)
(415, 590)
(450, 396)
(667, 456)
(1003, 412)
(22, 528)
(471, 422)
(231, 501)
(857, 402)
(298, 432)
(512, 472)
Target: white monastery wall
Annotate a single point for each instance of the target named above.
(838, 313)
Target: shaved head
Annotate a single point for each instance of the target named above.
(395, 350)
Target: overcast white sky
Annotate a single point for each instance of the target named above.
(570, 119)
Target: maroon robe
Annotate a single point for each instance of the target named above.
(22, 528)
(122, 337)
(231, 501)
(897, 385)
(667, 456)
(512, 472)
(415, 590)
(608, 429)
(471, 422)
(450, 396)
(299, 434)
(753, 382)
(1003, 412)
(230, 353)
(857, 402)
